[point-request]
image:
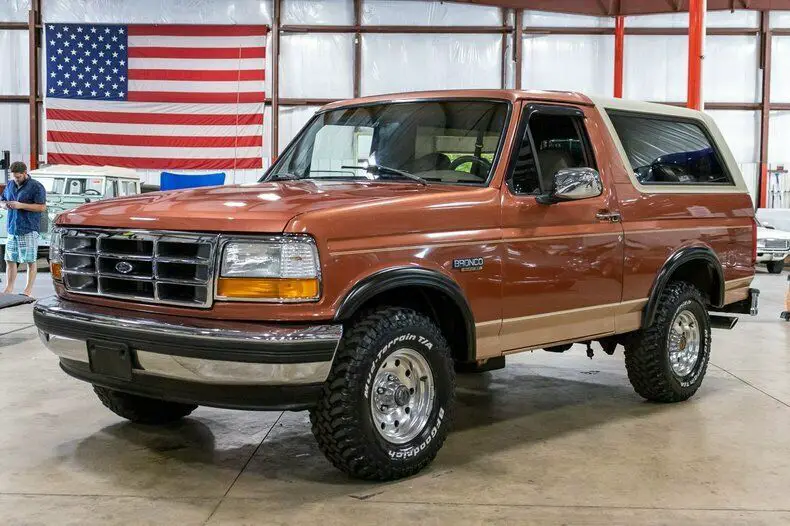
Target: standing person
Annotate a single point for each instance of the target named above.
(25, 200)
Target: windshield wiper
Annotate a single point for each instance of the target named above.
(380, 170)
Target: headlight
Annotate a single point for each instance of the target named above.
(55, 256)
(277, 269)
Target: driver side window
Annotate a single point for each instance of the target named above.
(552, 142)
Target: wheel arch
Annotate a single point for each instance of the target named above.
(428, 291)
(697, 265)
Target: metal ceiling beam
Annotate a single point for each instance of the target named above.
(627, 7)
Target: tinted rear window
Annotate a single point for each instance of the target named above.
(667, 151)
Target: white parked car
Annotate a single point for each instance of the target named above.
(773, 246)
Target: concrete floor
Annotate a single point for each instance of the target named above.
(552, 439)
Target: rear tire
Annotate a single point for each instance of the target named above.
(775, 267)
(659, 359)
(387, 405)
(140, 409)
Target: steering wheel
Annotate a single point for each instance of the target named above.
(484, 164)
(91, 191)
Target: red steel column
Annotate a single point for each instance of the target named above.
(619, 41)
(696, 52)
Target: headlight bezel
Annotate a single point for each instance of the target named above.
(281, 240)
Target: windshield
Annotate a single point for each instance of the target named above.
(451, 142)
(83, 186)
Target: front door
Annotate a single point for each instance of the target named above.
(564, 261)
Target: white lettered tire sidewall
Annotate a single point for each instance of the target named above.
(437, 424)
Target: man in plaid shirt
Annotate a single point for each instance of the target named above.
(25, 200)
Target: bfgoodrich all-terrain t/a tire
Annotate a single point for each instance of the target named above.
(387, 405)
(140, 409)
(666, 362)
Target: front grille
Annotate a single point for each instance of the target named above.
(156, 267)
(777, 244)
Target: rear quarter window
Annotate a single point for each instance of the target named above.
(669, 151)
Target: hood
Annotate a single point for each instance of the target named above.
(260, 207)
(769, 233)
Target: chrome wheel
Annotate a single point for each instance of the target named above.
(402, 396)
(684, 343)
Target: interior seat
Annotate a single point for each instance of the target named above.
(551, 161)
(431, 162)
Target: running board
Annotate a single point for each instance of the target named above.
(722, 322)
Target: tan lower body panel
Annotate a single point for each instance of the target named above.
(498, 337)
(488, 342)
(736, 290)
(628, 316)
(530, 332)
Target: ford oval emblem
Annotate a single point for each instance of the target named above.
(124, 267)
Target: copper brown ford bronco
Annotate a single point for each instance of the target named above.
(398, 240)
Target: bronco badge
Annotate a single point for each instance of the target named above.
(468, 264)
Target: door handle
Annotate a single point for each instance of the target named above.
(611, 217)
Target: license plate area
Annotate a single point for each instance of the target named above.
(110, 359)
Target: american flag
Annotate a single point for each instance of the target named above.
(187, 97)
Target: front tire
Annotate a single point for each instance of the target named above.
(140, 409)
(775, 267)
(666, 362)
(387, 405)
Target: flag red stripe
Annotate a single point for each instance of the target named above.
(195, 119)
(147, 163)
(199, 75)
(190, 30)
(193, 52)
(155, 140)
(175, 96)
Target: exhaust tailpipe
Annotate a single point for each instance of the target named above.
(722, 322)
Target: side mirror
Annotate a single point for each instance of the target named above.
(572, 184)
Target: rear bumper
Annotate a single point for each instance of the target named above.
(749, 305)
(207, 362)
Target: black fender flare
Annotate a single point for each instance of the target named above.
(675, 261)
(392, 278)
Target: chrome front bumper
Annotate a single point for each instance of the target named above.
(763, 256)
(194, 350)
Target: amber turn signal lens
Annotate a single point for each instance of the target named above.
(56, 271)
(268, 288)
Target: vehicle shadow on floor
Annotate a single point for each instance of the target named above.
(496, 411)
(15, 337)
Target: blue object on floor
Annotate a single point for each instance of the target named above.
(174, 181)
